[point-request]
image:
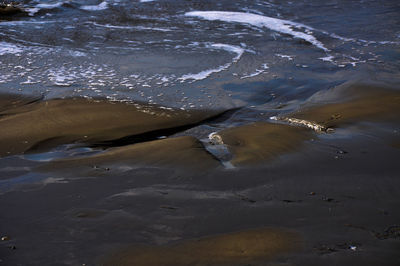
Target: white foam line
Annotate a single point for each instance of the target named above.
(206, 73)
(279, 25)
(333, 35)
(288, 57)
(328, 58)
(151, 28)
(256, 73)
(110, 26)
(33, 10)
(22, 22)
(49, 6)
(129, 27)
(229, 48)
(101, 6)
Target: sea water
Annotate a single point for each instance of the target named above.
(197, 54)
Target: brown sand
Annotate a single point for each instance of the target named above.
(46, 124)
(353, 103)
(184, 152)
(10, 101)
(261, 141)
(239, 248)
(346, 104)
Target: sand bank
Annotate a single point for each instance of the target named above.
(183, 152)
(261, 141)
(338, 107)
(45, 124)
(352, 103)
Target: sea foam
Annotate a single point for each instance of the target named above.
(9, 48)
(279, 25)
(206, 73)
(101, 6)
(49, 6)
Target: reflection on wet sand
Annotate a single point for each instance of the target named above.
(46, 124)
(239, 248)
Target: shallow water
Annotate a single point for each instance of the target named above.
(195, 54)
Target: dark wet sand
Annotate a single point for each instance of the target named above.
(296, 197)
(333, 204)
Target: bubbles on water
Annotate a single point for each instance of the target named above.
(9, 48)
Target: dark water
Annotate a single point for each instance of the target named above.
(156, 51)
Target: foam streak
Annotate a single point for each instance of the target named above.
(279, 25)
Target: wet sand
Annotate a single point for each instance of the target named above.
(235, 248)
(352, 103)
(295, 196)
(184, 152)
(261, 141)
(340, 107)
(45, 124)
(335, 205)
(8, 102)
